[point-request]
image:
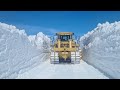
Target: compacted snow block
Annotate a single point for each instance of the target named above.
(101, 48)
(17, 53)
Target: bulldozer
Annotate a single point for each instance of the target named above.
(65, 49)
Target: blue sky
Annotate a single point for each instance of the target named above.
(50, 22)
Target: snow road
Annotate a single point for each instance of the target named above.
(63, 71)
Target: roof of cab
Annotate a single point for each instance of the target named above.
(65, 33)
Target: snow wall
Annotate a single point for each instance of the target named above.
(101, 48)
(19, 52)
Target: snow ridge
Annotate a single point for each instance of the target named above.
(41, 41)
(101, 48)
(17, 53)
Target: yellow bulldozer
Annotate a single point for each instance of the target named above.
(65, 49)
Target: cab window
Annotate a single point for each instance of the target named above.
(64, 37)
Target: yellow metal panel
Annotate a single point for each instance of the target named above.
(64, 49)
(64, 33)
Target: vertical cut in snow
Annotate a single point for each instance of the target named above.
(17, 52)
(101, 48)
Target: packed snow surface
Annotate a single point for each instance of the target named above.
(63, 71)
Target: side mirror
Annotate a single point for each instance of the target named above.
(73, 37)
(55, 37)
(78, 39)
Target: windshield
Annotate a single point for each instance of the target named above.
(64, 37)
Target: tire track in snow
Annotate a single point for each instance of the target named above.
(63, 71)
